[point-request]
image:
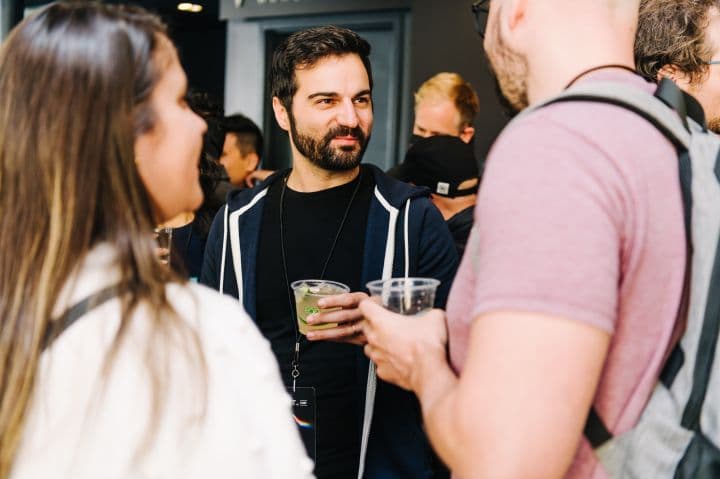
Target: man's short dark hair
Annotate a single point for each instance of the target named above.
(673, 32)
(248, 136)
(305, 48)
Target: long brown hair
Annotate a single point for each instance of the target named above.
(75, 84)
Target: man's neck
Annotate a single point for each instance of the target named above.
(180, 220)
(551, 69)
(306, 177)
(449, 207)
(549, 87)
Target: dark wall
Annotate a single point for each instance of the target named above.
(11, 12)
(200, 39)
(443, 38)
(201, 45)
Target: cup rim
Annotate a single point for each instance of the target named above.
(380, 284)
(334, 283)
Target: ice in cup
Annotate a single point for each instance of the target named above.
(307, 294)
(408, 296)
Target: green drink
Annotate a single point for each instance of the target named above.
(307, 294)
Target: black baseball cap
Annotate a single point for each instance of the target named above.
(441, 163)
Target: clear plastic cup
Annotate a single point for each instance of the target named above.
(307, 294)
(408, 296)
(163, 237)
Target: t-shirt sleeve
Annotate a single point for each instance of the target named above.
(549, 226)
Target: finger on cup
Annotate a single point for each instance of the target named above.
(349, 333)
(338, 316)
(345, 300)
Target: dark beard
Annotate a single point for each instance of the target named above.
(323, 155)
(507, 107)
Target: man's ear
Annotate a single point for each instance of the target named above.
(282, 116)
(675, 74)
(252, 160)
(510, 20)
(467, 133)
(517, 12)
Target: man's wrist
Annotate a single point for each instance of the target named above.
(432, 377)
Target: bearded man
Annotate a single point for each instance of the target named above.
(331, 218)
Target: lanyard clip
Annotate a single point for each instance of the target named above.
(295, 373)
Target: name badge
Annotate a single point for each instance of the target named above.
(305, 416)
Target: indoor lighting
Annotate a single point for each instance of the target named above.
(189, 7)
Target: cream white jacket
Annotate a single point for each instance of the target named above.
(83, 427)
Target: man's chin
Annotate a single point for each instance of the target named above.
(350, 155)
(343, 162)
(347, 149)
(346, 165)
(714, 125)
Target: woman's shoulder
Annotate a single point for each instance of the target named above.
(195, 301)
(220, 321)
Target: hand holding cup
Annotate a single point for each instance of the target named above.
(331, 317)
(405, 332)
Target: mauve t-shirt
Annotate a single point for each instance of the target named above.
(579, 215)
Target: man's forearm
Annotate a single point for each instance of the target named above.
(437, 391)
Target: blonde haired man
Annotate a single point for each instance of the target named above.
(445, 104)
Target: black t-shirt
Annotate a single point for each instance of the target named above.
(310, 223)
(186, 254)
(460, 226)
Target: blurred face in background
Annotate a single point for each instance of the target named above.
(237, 164)
(440, 117)
(167, 155)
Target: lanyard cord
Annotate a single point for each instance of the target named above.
(295, 364)
(600, 67)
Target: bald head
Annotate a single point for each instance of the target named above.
(607, 13)
(537, 46)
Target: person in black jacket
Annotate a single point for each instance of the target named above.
(447, 166)
(332, 218)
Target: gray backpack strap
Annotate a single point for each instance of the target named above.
(653, 109)
(77, 311)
